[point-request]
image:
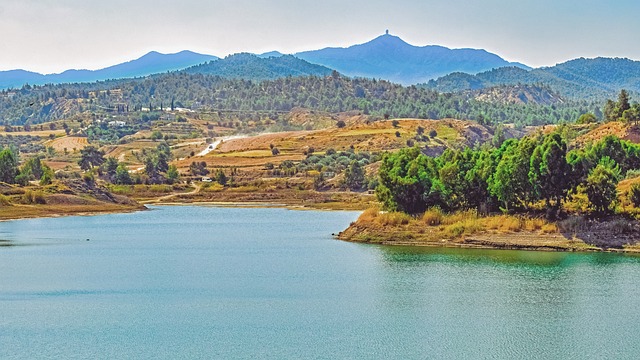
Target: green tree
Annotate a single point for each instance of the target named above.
(609, 111)
(623, 104)
(172, 174)
(122, 176)
(404, 181)
(90, 157)
(109, 167)
(8, 166)
(550, 173)
(587, 118)
(354, 177)
(221, 178)
(47, 176)
(601, 185)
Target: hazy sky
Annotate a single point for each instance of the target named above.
(54, 35)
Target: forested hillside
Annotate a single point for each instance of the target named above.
(333, 94)
(598, 78)
(253, 67)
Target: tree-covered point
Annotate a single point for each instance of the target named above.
(333, 94)
(513, 177)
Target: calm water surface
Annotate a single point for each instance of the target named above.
(244, 283)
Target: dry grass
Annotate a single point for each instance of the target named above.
(393, 219)
(4, 200)
(68, 142)
(459, 224)
(212, 187)
(433, 217)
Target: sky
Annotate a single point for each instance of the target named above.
(54, 35)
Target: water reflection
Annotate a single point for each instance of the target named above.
(406, 255)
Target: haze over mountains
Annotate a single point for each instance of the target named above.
(259, 67)
(579, 78)
(386, 57)
(389, 57)
(151, 63)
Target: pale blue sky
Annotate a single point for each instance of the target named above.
(53, 35)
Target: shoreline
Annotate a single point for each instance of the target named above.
(43, 212)
(357, 232)
(420, 235)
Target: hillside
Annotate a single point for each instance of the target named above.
(389, 57)
(517, 94)
(253, 67)
(598, 78)
(151, 63)
(265, 102)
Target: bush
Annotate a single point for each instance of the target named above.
(33, 197)
(393, 218)
(160, 188)
(433, 217)
(634, 194)
(4, 200)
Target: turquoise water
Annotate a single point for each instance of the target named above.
(245, 283)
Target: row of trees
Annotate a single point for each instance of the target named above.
(156, 166)
(513, 177)
(33, 169)
(622, 110)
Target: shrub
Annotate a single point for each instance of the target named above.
(393, 218)
(4, 200)
(634, 194)
(212, 187)
(160, 188)
(121, 189)
(33, 197)
(369, 215)
(433, 216)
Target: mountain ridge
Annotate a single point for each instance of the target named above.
(391, 58)
(150, 63)
(578, 78)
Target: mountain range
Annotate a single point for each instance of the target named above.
(385, 57)
(580, 78)
(389, 57)
(151, 63)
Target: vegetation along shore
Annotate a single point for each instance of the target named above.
(564, 175)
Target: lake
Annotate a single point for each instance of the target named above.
(204, 282)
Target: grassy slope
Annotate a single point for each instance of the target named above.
(467, 229)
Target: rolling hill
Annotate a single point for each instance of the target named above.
(581, 78)
(151, 63)
(253, 67)
(389, 57)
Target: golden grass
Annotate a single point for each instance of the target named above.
(68, 142)
(245, 154)
(212, 187)
(357, 132)
(459, 224)
(241, 189)
(157, 188)
(393, 218)
(447, 133)
(4, 200)
(433, 217)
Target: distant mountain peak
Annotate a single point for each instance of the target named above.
(391, 58)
